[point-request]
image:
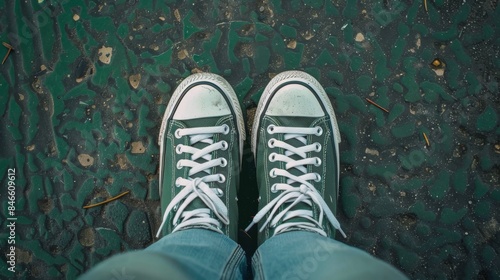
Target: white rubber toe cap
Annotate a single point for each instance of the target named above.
(201, 101)
(294, 100)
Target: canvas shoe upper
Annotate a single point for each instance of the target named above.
(295, 139)
(201, 145)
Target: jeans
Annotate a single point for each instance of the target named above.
(204, 254)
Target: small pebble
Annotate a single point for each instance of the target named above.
(134, 80)
(105, 54)
(359, 37)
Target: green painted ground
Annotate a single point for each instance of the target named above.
(83, 93)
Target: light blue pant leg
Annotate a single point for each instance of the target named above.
(187, 254)
(308, 255)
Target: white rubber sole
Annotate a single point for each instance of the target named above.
(175, 99)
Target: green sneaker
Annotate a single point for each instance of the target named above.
(201, 147)
(295, 142)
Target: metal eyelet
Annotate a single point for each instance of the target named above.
(178, 149)
(222, 178)
(272, 173)
(175, 207)
(270, 143)
(220, 193)
(272, 157)
(226, 129)
(225, 145)
(177, 185)
(318, 177)
(273, 188)
(318, 162)
(317, 146)
(223, 162)
(270, 129)
(179, 165)
(177, 133)
(319, 131)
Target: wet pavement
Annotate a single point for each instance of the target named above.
(83, 91)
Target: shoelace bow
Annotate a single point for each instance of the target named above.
(304, 193)
(198, 187)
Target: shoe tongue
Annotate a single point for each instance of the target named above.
(296, 122)
(201, 122)
(197, 203)
(298, 206)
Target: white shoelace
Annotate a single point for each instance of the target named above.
(197, 187)
(304, 193)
